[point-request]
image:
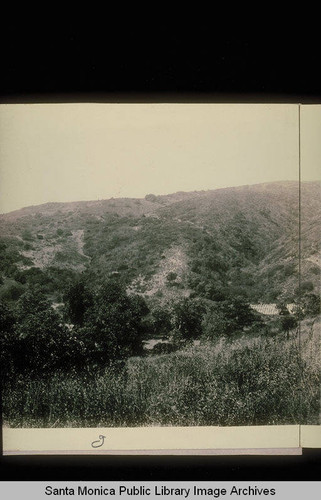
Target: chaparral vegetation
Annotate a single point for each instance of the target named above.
(187, 309)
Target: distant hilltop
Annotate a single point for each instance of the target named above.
(240, 240)
(148, 203)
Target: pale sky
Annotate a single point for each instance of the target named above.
(310, 142)
(73, 152)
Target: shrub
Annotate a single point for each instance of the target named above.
(151, 197)
(7, 339)
(310, 304)
(11, 290)
(27, 235)
(306, 286)
(171, 276)
(265, 382)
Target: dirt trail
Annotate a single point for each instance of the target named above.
(78, 237)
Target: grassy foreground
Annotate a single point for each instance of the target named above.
(258, 381)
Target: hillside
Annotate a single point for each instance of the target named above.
(179, 309)
(211, 244)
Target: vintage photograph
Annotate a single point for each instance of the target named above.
(160, 265)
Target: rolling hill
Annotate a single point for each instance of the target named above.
(217, 243)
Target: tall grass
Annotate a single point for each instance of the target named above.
(248, 382)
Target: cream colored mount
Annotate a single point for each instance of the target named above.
(277, 440)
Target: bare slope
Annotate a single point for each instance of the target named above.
(241, 240)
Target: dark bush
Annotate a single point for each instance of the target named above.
(228, 316)
(78, 299)
(151, 197)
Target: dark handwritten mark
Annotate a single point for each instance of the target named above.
(99, 442)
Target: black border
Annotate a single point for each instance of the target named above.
(73, 64)
(111, 59)
(189, 468)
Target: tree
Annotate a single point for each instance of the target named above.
(113, 326)
(40, 336)
(288, 321)
(229, 316)
(215, 323)
(187, 315)
(160, 320)
(78, 299)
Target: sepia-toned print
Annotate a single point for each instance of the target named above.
(160, 266)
